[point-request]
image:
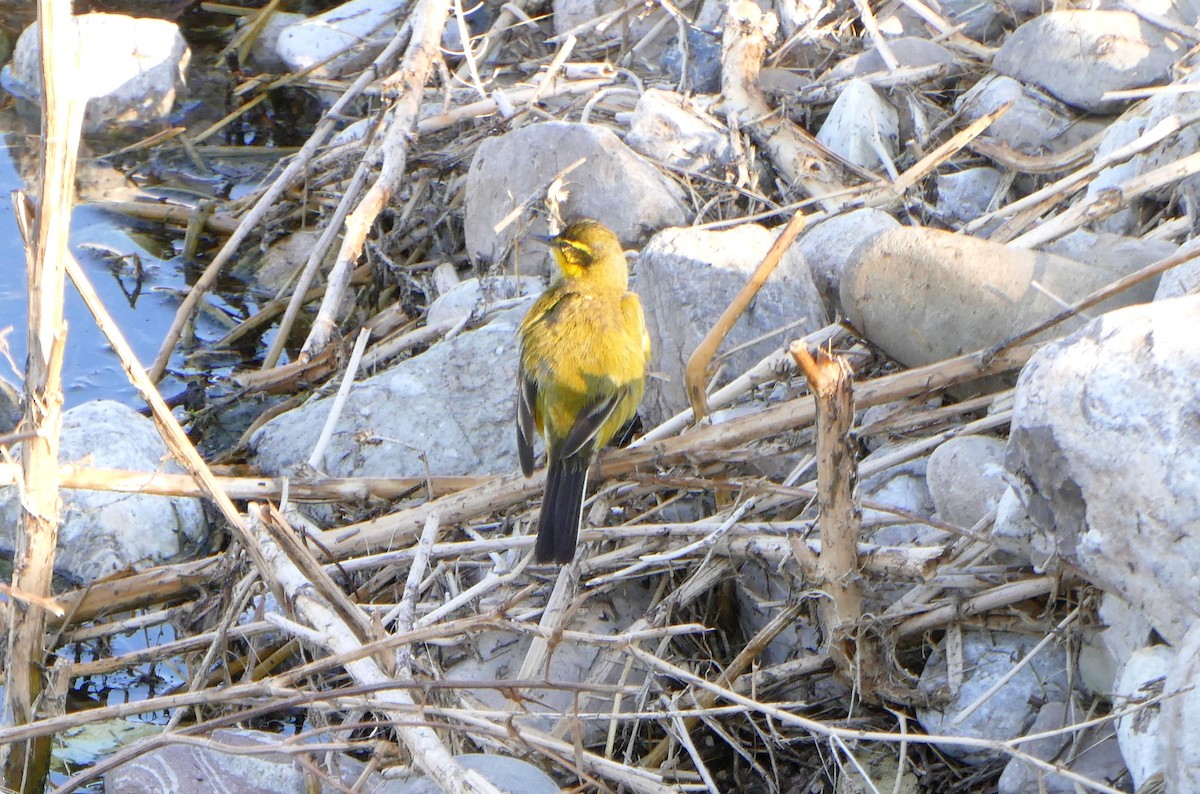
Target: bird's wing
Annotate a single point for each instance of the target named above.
(526, 423)
(588, 423)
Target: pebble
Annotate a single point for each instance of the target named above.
(966, 478)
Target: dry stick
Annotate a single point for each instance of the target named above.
(696, 372)
(840, 520)
(797, 156)
(1185, 254)
(319, 489)
(267, 203)
(313, 265)
(427, 21)
(333, 632)
(27, 766)
(703, 444)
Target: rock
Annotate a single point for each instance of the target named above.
(966, 478)
(701, 66)
(1102, 447)
(475, 294)
(103, 532)
(687, 277)
(510, 775)
(457, 418)
(1125, 630)
(1111, 251)
(1179, 281)
(862, 127)
(1096, 757)
(1015, 532)
(1144, 117)
(499, 655)
(571, 15)
(671, 128)
(264, 54)
(989, 656)
(284, 259)
(131, 70)
(369, 24)
(614, 186)
(1139, 734)
(1078, 56)
(10, 407)
(965, 195)
(903, 487)
(1036, 123)
(827, 247)
(1179, 716)
(924, 295)
(910, 51)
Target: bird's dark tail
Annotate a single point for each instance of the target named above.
(562, 510)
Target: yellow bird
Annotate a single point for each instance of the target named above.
(584, 351)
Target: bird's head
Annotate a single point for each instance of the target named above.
(590, 251)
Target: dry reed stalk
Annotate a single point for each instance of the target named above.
(26, 766)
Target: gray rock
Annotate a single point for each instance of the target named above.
(448, 411)
(903, 487)
(1096, 755)
(1180, 715)
(1183, 143)
(1078, 56)
(614, 186)
(671, 128)
(499, 656)
(370, 24)
(510, 775)
(10, 407)
(828, 246)
(1015, 532)
(473, 295)
(965, 195)
(862, 127)
(1139, 734)
(131, 70)
(700, 68)
(1111, 251)
(909, 51)
(1183, 12)
(188, 769)
(103, 532)
(924, 295)
(1103, 444)
(966, 478)
(1036, 123)
(989, 656)
(687, 277)
(264, 54)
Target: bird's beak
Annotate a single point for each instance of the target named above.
(545, 239)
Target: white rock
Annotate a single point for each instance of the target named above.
(1180, 715)
(989, 656)
(966, 478)
(1139, 734)
(131, 70)
(474, 294)
(903, 487)
(1104, 447)
(672, 129)
(1078, 56)
(686, 277)
(367, 24)
(264, 54)
(862, 126)
(614, 186)
(102, 532)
